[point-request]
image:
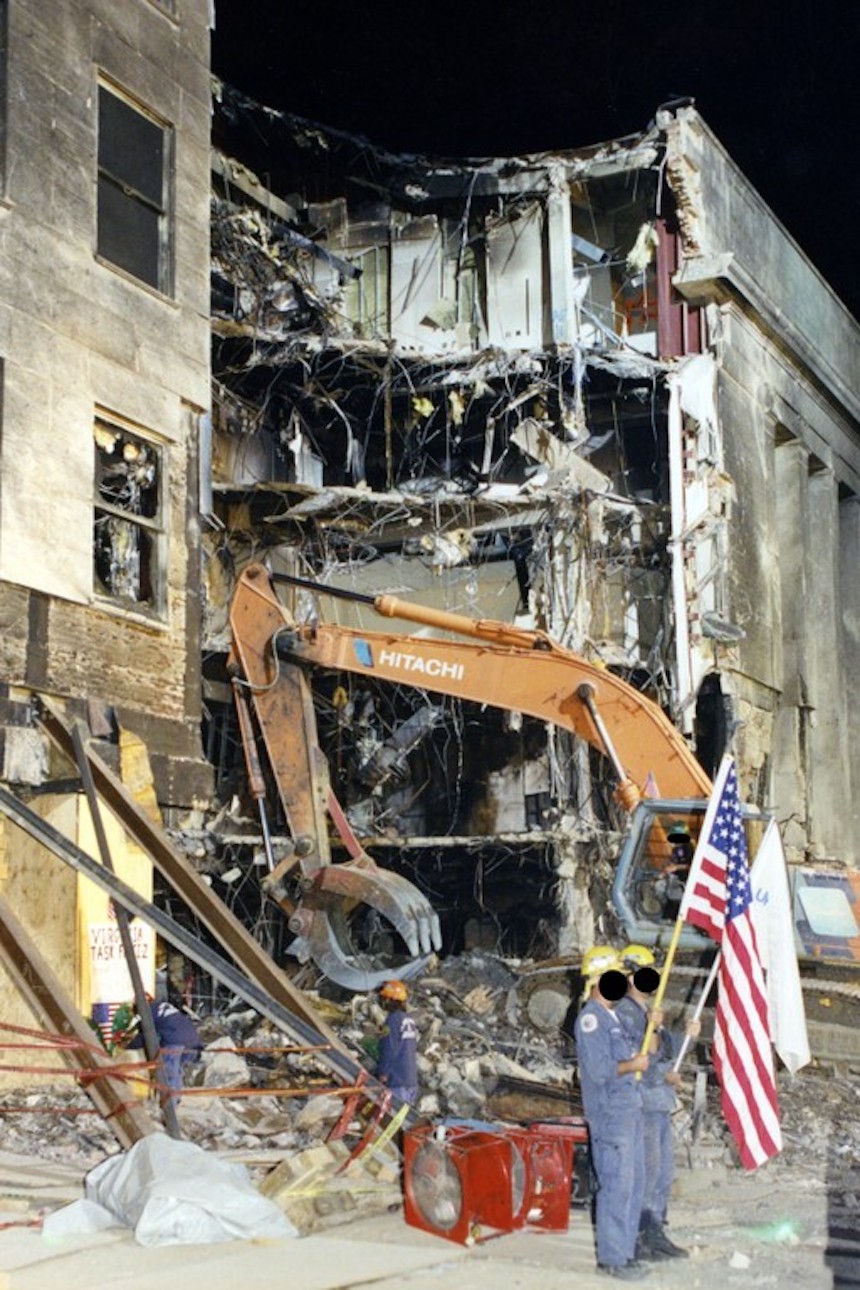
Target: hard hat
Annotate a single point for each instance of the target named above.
(678, 832)
(637, 956)
(394, 990)
(600, 959)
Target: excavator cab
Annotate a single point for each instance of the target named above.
(654, 864)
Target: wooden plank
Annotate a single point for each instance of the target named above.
(185, 880)
(55, 1010)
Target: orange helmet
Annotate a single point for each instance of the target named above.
(395, 990)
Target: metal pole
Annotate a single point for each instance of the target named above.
(147, 1026)
(712, 975)
(256, 781)
(626, 792)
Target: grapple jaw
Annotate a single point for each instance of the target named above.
(334, 895)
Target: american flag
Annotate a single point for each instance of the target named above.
(718, 899)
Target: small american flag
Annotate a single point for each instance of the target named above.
(718, 899)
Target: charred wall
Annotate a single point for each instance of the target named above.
(105, 368)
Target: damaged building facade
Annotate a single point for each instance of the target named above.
(599, 393)
(104, 362)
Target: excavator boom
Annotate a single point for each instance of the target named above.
(512, 668)
(501, 665)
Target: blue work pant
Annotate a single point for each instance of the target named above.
(401, 1093)
(659, 1164)
(172, 1061)
(618, 1161)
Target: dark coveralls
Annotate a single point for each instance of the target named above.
(398, 1056)
(613, 1109)
(177, 1038)
(658, 1103)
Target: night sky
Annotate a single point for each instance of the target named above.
(776, 82)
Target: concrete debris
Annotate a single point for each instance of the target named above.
(222, 1067)
(481, 1055)
(318, 1113)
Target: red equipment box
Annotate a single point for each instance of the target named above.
(547, 1151)
(466, 1182)
(460, 1180)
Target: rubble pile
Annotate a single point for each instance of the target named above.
(481, 1056)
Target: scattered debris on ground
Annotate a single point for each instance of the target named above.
(481, 1057)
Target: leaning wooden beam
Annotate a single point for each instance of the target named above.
(53, 1009)
(184, 879)
(338, 1059)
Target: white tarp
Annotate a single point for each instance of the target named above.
(171, 1193)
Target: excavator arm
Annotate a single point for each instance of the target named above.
(501, 665)
(278, 695)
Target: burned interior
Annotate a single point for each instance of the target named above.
(448, 381)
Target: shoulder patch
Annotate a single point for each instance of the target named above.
(588, 1023)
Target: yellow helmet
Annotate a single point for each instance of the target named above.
(637, 956)
(600, 959)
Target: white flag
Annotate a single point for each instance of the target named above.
(774, 927)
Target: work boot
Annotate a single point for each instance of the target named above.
(660, 1245)
(645, 1251)
(631, 1271)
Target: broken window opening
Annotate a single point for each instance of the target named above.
(128, 527)
(366, 295)
(133, 190)
(714, 723)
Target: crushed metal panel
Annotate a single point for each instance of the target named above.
(416, 288)
(515, 280)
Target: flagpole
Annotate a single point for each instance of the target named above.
(700, 1007)
(710, 813)
(661, 988)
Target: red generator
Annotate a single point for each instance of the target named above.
(462, 1183)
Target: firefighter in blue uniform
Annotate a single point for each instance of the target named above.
(398, 1047)
(658, 1100)
(607, 1062)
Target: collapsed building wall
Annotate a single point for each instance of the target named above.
(472, 385)
(542, 390)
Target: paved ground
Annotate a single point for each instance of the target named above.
(769, 1229)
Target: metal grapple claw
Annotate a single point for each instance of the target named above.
(332, 893)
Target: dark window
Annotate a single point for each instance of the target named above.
(132, 196)
(127, 520)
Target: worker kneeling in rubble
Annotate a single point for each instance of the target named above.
(658, 1099)
(607, 1060)
(178, 1038)
(397, 1066)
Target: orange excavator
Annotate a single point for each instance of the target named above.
(502, 665)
